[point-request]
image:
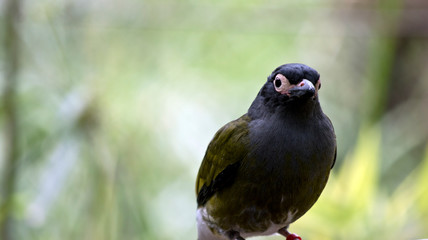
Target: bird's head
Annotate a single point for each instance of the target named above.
(293, 82)
(291, 85)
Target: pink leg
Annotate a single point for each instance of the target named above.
(288, 235)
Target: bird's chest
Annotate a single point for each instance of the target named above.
(292, 160)
(291, 148)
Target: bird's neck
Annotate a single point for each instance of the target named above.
(260, 109)
(306, 110)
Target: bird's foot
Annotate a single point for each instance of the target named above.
(293, 236)
(234, 235)
(288, 235)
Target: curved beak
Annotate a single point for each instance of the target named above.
(303, 89)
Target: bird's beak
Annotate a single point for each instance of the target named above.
(303, 89)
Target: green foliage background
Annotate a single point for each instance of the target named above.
(118, 100)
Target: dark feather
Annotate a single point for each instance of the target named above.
(222, 180)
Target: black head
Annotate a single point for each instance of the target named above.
(292, 82)
(289, 85)
(295, 81)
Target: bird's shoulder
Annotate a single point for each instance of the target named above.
(221, 161)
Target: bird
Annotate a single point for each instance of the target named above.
(266, 169)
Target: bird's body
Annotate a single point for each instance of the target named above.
(264, 170)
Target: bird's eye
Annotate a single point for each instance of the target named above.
(277, 83)
(281, 84)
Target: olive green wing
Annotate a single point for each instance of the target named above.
(222, 159)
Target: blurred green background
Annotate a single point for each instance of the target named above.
(108, 106)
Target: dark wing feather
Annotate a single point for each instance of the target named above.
(222, 159)
(335, 155)
(335, 147)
